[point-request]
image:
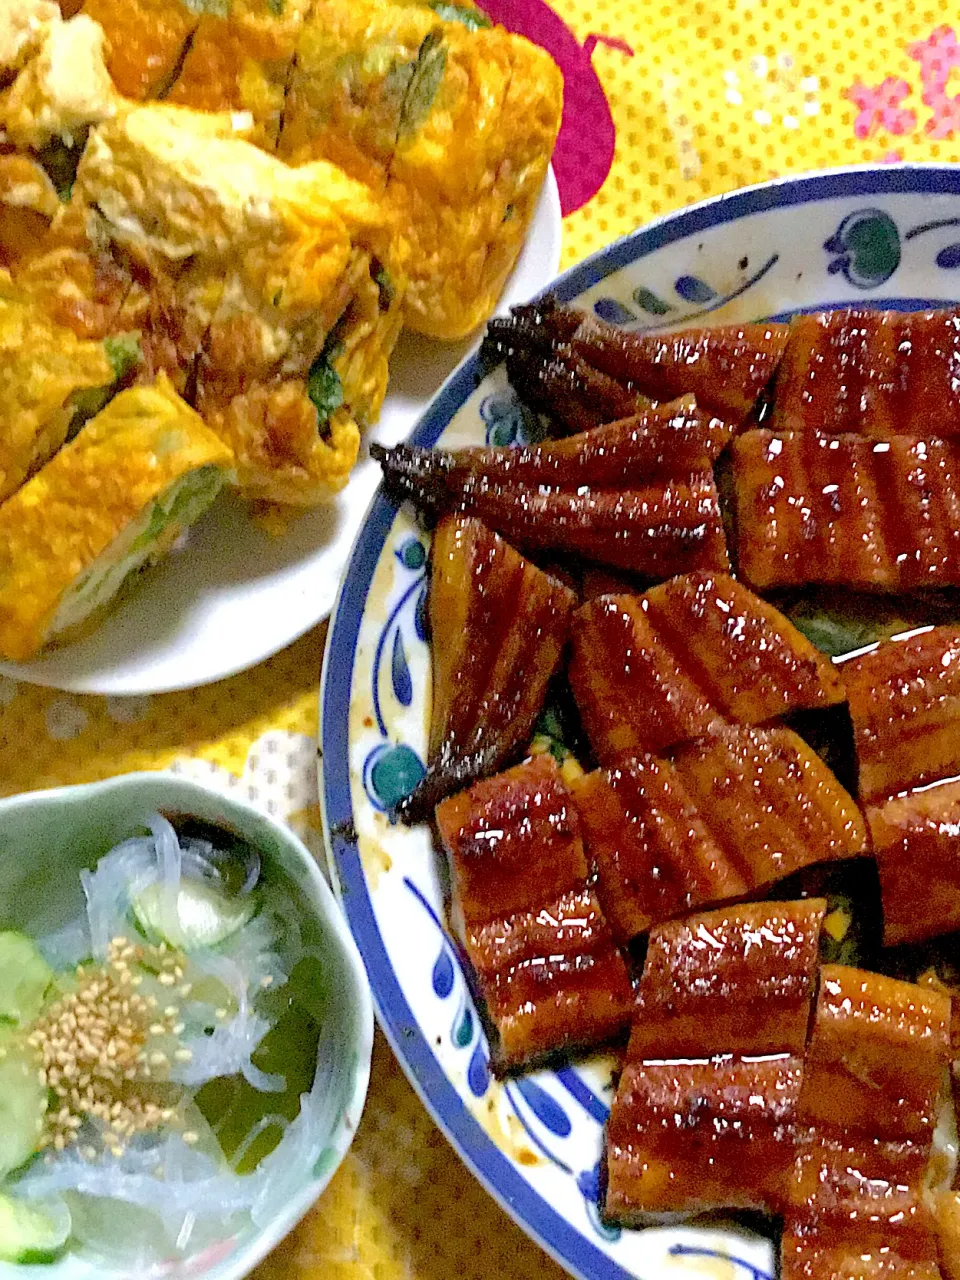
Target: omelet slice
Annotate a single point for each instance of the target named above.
(111, 502)
(146, 41)
(241, 59)
(50, 382)
(62, 89)
(453, 119)
(23, 24)
(476, 136)
(354, 66)
(303, 292)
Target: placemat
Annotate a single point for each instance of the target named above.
(666, 103)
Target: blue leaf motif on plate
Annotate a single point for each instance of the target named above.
(463, 1029)
(442, 976)
(400, 672)
(949, 258)
(547, 1110)
(411, 553)
(478, 1073)
(420, 615)
(508, 421)
(866, 246)
(693, 289)
(650, 302)
(588, 1184)
(613, 312)
(390, 772)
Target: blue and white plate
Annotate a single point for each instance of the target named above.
(881, 237)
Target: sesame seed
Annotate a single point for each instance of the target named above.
(183, 1055)
(190, 1137)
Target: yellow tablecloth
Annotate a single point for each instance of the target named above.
(703, 97)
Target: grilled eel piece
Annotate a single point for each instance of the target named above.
(545, 962)
(904, 699)
(838, 1141)
(566, 363)
(705, 1111)
(873, 1084)
(914, 839)
(876, 373)
(499, 626)
(637, 494)
(668, 666)
(738, 980)
(845, 510)
(728, 817)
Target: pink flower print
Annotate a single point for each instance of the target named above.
(937, 56)
(880, 107)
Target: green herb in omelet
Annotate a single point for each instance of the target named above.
(124, 352)
(472, 19)
(425, 84)
(323, 384)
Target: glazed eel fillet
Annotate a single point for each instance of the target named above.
(846, 510)
(573, 366)
(636, 494)
(728, 816)
(725, 1103)
(499, 626)
(544, 959)
(651, 671)
(904, 700)
(876, 373)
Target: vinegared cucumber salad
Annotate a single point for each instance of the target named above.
(157, 1055)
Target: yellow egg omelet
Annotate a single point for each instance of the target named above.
(110, 502)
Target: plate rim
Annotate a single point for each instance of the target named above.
(568, 1246)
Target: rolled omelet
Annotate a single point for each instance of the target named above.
(296, 269)
(62, 89)
(454, 119)
(475, 141)
(111, 502)
(50, 381)
(241, 59)
(355, 64)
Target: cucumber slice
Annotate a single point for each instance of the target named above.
(24, 978)
(23, 1103)
(202, 918)
(32, 1232)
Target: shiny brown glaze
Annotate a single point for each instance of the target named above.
(694, 1136)
(876, 373)
(769, 802)
(499, 626)
(904, 700)
(574, 394)
(726, 368)
(662, 441)
(655, 857)
(557, 1002)
(664, 528)
(545, 960)
(740, 980)
(658, 669)
(809, 1256)
(856, 1199)
(514, 841)
(877, 1057)
(847, 511)
(916, 839)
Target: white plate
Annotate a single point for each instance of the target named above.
(232, 595)
(867, 236)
